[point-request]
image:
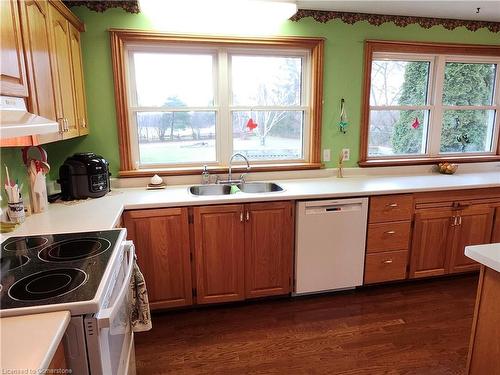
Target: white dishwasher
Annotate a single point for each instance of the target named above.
(330, 244)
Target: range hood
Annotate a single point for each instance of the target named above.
(16, 121)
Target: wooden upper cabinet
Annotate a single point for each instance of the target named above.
(161, 238)
(473, 227)
(77, 66)
(13, 81)
(35, 26)
(61, 60)
(219, 253)
(432, 238)
(268, 248)
(50, 65)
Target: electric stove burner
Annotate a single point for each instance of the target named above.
(47, 284)
(26, 243)
(11, 262)
(74, 249)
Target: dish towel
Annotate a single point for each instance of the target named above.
(141, 316)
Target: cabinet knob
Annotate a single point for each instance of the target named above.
(241, 216)
(387, 261)
(248, 215)
(391, 205)
(390, 232)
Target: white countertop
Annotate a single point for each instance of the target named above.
(29, 342)
(104, 213)
(488, 255)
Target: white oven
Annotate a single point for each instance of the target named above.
(103, 343)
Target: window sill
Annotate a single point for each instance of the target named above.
(423, 161)
(218, 169)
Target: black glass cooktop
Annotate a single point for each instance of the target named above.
(52, 269)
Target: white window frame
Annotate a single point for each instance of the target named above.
(435, 106)
(222, 106)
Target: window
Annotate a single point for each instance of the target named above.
(428, 102)
(193, 101)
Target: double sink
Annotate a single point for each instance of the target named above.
(224, 189)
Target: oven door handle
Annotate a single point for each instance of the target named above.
(106, 316)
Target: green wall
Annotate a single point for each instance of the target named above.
(342, 77)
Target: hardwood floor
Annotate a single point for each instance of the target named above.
(411, 328)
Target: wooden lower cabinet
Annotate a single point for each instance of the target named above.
(231, 252)
(243, 251)
(440, 236)
(268, 248)
(432, 237)
(385, 266)
(219, 250)
(161, 238)
(495, 234)
(474, 228)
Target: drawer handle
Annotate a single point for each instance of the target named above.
(392, 205)
(390, 232)
(388, 261)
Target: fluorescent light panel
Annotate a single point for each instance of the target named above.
(233, 16)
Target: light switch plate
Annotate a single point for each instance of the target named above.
(326, 154)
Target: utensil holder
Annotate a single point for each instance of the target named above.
(15, 211)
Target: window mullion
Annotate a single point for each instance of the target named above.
(495, 148)
(436, 118)
(224, 139)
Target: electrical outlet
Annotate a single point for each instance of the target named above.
(346, 152)
(326, 154)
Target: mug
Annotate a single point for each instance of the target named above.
(16, 211)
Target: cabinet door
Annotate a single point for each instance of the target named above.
(76, 59)
(61, 61)
(268, 248)
(474, 228)
(161, 239)
(495, 234)
(35, 24)
(13, 80)
(219, 253)
(432, 237)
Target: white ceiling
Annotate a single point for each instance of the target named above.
(458, 9)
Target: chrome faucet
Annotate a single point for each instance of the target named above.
(205, 176)
(230, 174)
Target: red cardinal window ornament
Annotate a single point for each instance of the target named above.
(416, 123)
(251, 125)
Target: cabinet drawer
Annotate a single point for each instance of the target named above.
(388, 236)
(385, 266)
(390, 208)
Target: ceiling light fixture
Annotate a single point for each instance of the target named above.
(217, 15)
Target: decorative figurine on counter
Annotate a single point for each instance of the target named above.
(340, 168)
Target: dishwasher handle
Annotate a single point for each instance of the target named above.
(334, 206)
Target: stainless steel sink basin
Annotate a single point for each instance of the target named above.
(210, 189)
(259, 187)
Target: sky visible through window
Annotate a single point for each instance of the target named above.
(175, 81)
